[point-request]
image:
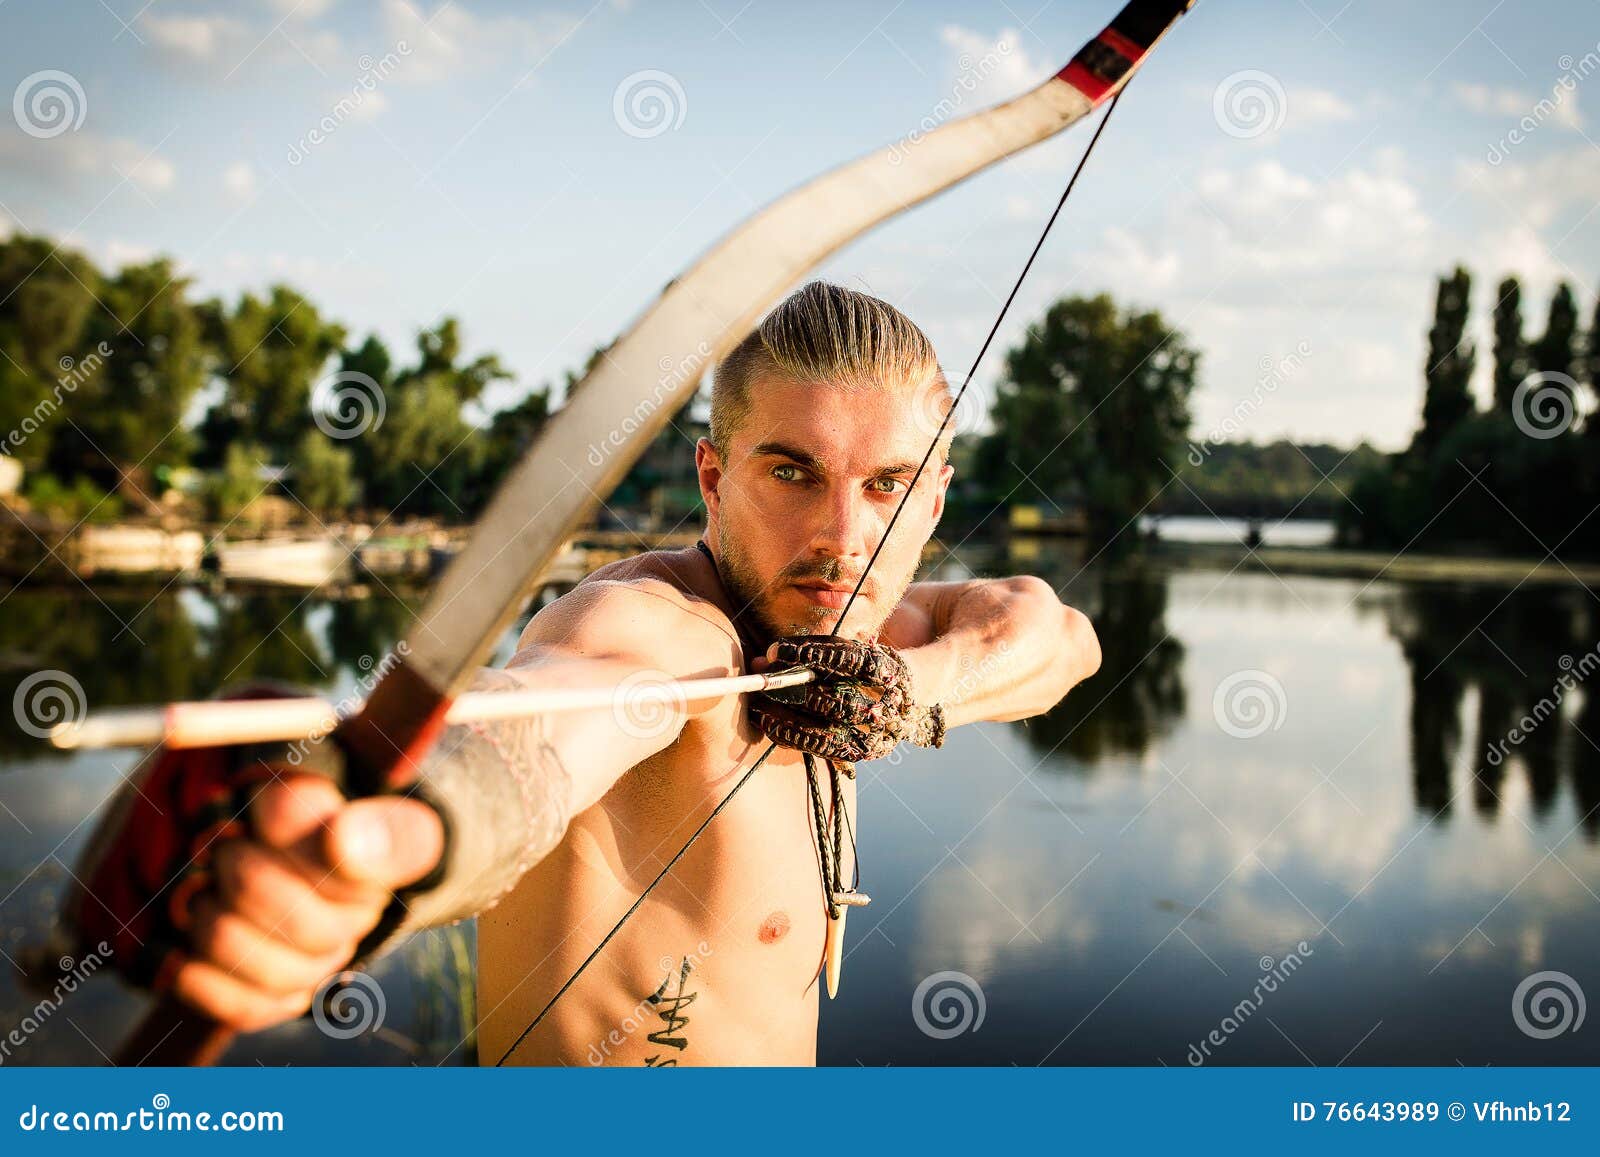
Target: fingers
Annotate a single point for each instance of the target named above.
(836, 655)
(233, 944)
(291, 904)
(282, 895)
(818, 737)
(234, 1002)
(386, 842)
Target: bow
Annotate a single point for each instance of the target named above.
(627, 399)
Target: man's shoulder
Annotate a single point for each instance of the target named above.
(658, 593)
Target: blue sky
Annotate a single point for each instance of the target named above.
(1282, 176)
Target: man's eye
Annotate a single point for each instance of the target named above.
(786, 473)
(887, 485)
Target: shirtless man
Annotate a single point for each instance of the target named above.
(815, 437)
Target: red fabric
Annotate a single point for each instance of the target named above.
(149, 859)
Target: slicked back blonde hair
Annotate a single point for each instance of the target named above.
(824, 333)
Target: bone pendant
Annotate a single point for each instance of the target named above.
(834, 959)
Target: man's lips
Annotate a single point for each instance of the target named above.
(834, 595)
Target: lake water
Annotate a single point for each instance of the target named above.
(1268, 832)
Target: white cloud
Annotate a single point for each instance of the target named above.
(116, 254)
(1559, 105)
(1539, 191)
(1483, 98)
(996, 67)
(1314, 106)
(218, 45)
(75, 158)
(304, 10)
(450, 39)
(195, 38)
(239, 179)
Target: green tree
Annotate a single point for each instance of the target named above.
(238, 483)
(128, 415)
(1510, 347)
(322, 474)
(1451, 358)
(1093, 408)
(46, 296)
(272, 352)
(1555, 354)
(424, 457)
(1591, 370)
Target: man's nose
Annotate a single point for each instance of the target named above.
(842, 529)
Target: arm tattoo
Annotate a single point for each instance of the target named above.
(669, 1007)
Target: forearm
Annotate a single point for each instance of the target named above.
(507, 790)
(1003, 649)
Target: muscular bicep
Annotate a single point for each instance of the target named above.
(634, 641)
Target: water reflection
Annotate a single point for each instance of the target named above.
(1111, 875)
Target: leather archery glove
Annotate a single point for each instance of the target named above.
(859, 707)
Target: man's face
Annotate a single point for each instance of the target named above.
(811, 479)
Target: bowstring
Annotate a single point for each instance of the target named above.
(883, 540)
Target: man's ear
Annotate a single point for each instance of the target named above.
(941, 484)
(708, 467)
